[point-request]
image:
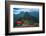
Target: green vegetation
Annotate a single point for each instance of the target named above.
(26, 19)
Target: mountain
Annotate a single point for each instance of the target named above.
(34, 15)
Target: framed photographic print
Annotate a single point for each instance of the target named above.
(24, 17)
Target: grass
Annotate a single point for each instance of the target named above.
(27, 23)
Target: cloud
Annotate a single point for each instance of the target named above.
(18, 10)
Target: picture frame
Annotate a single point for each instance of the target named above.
(11, 28)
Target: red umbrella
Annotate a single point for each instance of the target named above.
(19, 22)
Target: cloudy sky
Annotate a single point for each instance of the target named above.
(18, 10)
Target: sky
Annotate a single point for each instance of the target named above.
(18, 10)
